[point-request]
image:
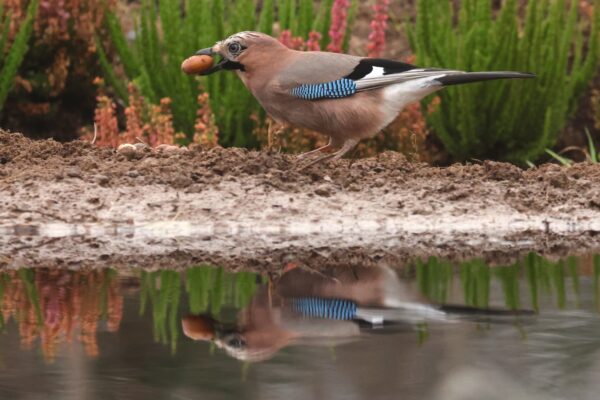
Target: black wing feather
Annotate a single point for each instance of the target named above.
(470, 77)
(365, 67)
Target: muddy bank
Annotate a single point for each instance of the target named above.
(76, 205)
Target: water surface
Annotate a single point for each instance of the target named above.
(208, 333)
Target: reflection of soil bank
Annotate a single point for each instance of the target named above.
(75, 204)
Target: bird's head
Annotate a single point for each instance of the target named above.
(243, 50)
(243, 343)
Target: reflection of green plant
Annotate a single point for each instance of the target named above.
(558, 275)
(573, 268)
(3, 282)
(209, 287)
(434, 278)
(508, 120)
(245, 287)
(422, 333)
(596, 263)
(198, 283)
(27, 276)
(163, 289)
(475, 278)
(536, 273)
(10, 64)
(509, 276)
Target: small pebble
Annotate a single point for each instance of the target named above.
(323, 190)
(125, 147)
(169, 148)
(128, 150)
(102, 180)
(379, 182)
(140, 146)
(74, 173)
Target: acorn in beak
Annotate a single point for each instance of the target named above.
(224, 64)
(199, 327)
(209, 51)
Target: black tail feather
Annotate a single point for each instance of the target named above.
(470, 77)
(468, 310)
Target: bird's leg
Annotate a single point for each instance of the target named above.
(321, 149)
(273, 131)
(346, 147)
(353, 157)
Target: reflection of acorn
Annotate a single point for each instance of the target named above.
(198, 327)
(196, 64)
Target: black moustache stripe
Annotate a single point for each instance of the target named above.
(233, 65)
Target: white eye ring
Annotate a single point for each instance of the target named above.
(234, 48)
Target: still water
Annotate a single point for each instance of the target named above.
(523, 331)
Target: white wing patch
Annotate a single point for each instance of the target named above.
(377, 72)
(377, 79)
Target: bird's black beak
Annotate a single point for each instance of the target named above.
(209, 52)
(223, 64)
(205, 52)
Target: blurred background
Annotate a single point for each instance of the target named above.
(72, 68)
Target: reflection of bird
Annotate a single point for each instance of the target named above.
(346, 97)
(303, 305)
(287, 310)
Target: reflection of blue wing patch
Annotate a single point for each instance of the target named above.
(315, 307)
(329, 90)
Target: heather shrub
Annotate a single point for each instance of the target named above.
(146, 122)
(507, 120)
(167, 32)
(53, 90)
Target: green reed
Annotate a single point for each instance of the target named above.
(507, 120)
(13, 57)
(168, 31)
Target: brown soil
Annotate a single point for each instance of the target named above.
(77, 205)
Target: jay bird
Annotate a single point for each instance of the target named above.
(348, 98)
(310, 307)
(306, 307)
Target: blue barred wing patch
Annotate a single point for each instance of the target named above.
(328, 90)
(316, 307)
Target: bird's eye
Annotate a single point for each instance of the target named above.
(234, 48)
(236, 342)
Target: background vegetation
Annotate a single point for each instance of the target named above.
(52, 91)
(166, 35)
(137, 48)
(509, 120)
(11, 59)
(51, 307)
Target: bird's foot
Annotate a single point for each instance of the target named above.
(336, 155)
(315, 152)
(301, 166)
